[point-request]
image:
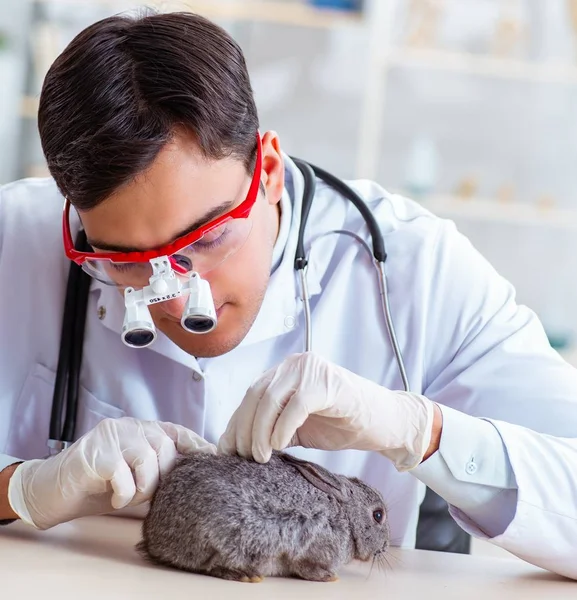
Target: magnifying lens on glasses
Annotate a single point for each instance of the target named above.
(199, 315)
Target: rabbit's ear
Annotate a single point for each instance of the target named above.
(319, 477)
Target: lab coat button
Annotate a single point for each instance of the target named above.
(289, 322)
(196, 376)
(471, 467)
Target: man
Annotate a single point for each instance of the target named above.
(150, 132)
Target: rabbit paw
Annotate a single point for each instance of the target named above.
(313, 572)
(233, 575)
(253, 579)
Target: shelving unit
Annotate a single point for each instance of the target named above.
(486, 66)
(410, 58)
(297, 13)
(385, 55)
(378, 20)
(492, 211)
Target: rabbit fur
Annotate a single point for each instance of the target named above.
(237, 519)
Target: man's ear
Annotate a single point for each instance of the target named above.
(272, 167)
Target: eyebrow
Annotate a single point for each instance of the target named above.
(213, 213)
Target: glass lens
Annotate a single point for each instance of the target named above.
(214, 246)
(204, 255)
(139, 338)
(120, 274)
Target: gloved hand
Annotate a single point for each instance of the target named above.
(308, 401)
(116, 464)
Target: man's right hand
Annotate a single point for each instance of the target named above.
(117, 464)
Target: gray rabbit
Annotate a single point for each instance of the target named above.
(237, 519)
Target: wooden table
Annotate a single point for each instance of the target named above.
(95, 558)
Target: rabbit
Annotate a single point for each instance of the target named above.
(236, 519)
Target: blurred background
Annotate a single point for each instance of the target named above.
(468, 106)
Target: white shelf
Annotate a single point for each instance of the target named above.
(489, 210)
(485, 65)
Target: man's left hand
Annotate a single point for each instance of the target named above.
(308, 401)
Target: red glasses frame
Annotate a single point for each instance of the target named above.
(240, 212)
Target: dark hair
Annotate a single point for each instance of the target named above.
(125, 85)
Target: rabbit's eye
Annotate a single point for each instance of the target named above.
(378, 515)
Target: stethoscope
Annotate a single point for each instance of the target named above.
(61, 434)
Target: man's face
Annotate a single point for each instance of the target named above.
(179, 189)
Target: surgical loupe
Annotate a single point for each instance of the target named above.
(199, 315)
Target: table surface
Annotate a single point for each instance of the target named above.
(95, 558)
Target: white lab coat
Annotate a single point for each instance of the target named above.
(465, 342)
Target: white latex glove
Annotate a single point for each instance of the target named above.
(116, 464)
(308, 401)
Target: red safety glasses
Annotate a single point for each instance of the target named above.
(200, 250)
